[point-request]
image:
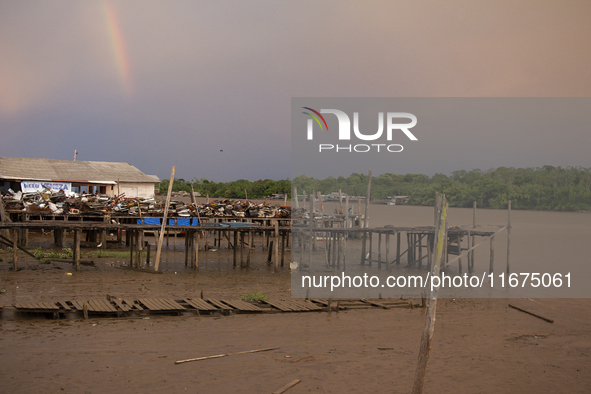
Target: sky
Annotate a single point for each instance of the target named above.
(206, 86)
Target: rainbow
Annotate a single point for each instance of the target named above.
(118, 46)
(315, 118)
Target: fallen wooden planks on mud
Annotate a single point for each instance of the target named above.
(129, 306)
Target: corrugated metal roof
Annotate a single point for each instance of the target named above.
(70, 171)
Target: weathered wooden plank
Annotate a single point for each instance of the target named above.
(173, 304)
(219, 304)
(279, 305)
(242, 305)
(108, 307)
(375, 303)
(121, 306)
(161, 304)
(148, 304)
(93, 306)
(132, 304)
(77, 304)
(64, 305)
(199, 304)
(307, 304)
(295, 305)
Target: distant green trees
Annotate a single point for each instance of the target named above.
(235, 189)
(544, 188)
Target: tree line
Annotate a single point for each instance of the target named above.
(542, 188)
(230, 190)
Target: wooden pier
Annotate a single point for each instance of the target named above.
(121, 307)
(237, 232)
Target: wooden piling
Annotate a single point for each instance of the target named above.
(250, 247)
(508, 235)
(429, 326)
(397, 248)
(283, 236)
(235, 250)
(148, 251)
(347, 210)
(130, 243)
(14, 248)
(77, 249)
(276, 230)
(242, 249)
(380, 250)
(197, 241)
(459, 253)
(388, 251)
(491, 267)
(420, 250)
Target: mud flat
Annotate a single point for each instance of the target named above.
(479, 346)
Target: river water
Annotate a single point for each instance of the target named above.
(541, 242)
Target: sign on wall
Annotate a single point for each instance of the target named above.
(33, 186)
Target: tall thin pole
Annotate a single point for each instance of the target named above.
(508, 234)
(429, 327)
(367, 201)
(162, 228)
(365, 221)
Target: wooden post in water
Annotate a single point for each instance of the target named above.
(380, 250)
(435, 216)
(283, 236)
(197, 242)
(347, 210)
(459, 253)
(397, 248)
(491, 267)
(365, 221)
(130, 244)
(470, 244)
(420, 250)
(77, 249)
(3, 216)
(241, 249)
(164, 220)
(429, 327)
(14, 248)
(387, 251)
(250, 242)
(235, 250)
(471, 261)
(276, 230)
(138, 250)
(508, 235)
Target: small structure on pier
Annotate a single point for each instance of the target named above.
(110, 178)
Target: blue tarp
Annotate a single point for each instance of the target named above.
(154, 221)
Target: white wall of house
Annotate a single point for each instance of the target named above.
(136, 189)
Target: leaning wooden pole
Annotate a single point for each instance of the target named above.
(432, 302)
(164, 220)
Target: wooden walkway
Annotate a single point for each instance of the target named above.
(210, 306)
